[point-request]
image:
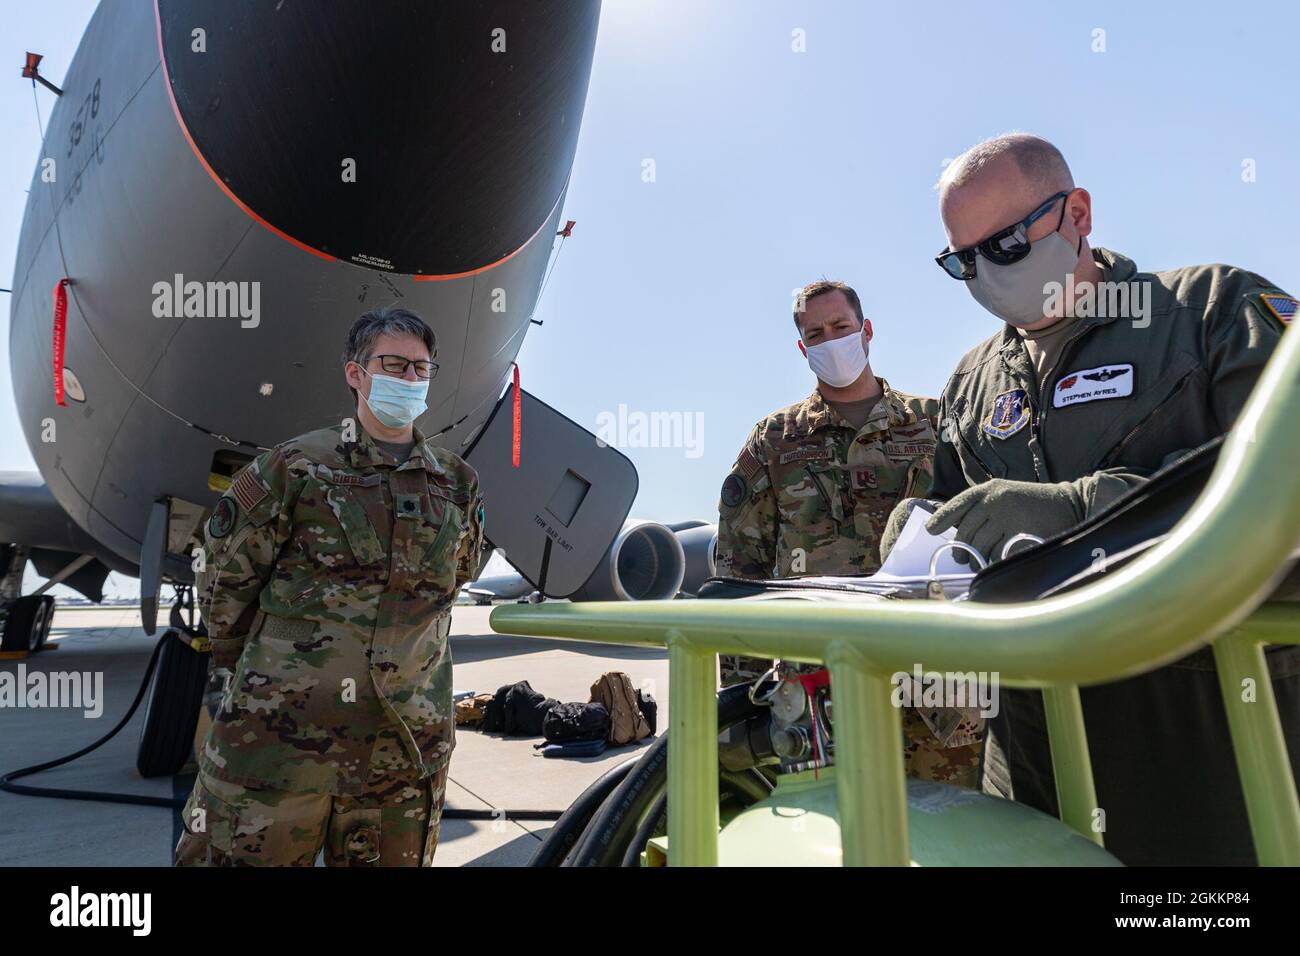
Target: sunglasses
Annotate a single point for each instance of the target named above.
(1002, 248)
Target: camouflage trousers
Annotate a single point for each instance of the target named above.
(394, 822)
(924, 758)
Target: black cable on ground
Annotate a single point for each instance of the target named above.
(178, 803)
(172, 803)
(496, 814)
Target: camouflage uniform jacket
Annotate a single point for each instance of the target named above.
(810, 494)
(330, 571)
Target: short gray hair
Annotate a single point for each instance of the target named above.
(387, 320)
(1039, 161)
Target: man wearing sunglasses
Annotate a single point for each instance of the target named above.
(813, 485)
(328, 576)
(1071, 404)
(1100, 374)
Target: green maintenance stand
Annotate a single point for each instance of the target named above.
(1205, 583)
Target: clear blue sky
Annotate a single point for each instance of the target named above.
(774, 168)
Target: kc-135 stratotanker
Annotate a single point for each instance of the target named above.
(221, 190)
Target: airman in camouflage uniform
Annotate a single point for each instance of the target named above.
(330, 569)
(810, 495)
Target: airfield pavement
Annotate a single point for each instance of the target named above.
(486, 771)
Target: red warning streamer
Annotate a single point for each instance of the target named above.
(517, 434)
(60, 334)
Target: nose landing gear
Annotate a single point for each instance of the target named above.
(180, 681)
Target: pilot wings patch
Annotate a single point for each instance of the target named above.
(1094, 384)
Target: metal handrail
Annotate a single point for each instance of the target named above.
(1216, 566)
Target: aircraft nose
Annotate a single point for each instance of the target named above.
(432, 139)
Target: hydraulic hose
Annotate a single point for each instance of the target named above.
(609, 838)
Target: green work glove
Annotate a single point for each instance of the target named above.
(987, 515)
(898, 518)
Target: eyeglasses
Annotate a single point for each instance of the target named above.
(398, 364)
(1002, 248)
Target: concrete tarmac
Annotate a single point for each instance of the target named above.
(487, 772)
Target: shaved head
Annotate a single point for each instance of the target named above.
(1038, 161)
(997, 182)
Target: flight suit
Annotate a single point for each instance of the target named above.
(1126, 395)
(810, 495)
(330, 572)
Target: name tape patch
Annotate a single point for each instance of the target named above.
(1093, 385)
(807, 453)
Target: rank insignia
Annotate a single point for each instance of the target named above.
(223, 517)
(1010, 414)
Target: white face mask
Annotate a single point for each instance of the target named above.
(841, 361)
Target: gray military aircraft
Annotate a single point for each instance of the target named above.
(224, 188)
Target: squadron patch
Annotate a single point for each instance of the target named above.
(1283, 307)
(734, 490)
(223, 517)
(1010, 414)
(1093, 384)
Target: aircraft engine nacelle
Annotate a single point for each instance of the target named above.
(699, 545)
(646, 562)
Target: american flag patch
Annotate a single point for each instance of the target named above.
(248, 491)
(749, 464)
(1282, 306)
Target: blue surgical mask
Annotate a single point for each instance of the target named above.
(395, 401)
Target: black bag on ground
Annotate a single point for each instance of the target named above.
(565, 723)
(516, 710)
(650, 708)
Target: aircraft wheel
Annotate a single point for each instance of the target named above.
(49, 621)
(172, 709)
(27, 623)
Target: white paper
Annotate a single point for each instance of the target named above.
(908, 564)
(914, 549)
